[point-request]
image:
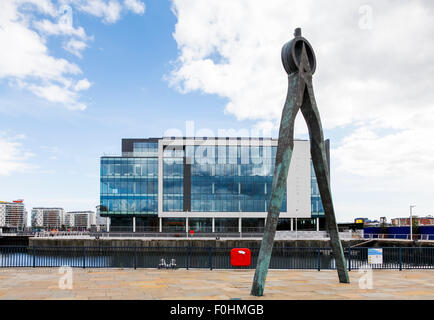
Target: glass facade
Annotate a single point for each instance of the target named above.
(196, 178)
(174, 224)
(145, 149)
(226, 225)
(200, 224)
(129, 185)
(219, 178)
(238, 180)
(315, 200)
(173, 184)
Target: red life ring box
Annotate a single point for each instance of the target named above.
(241, 257)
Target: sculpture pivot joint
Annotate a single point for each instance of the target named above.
(291, 53)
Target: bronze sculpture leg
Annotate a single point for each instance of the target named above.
(285, 147)
(319, 160)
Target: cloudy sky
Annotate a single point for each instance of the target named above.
(76, 76)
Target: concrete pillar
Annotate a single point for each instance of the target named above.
(108, 224)
(134, 224)
(292, 224)
(160, 220)
(213, 224)
(239, 225)
(186, 224)
(317, 224)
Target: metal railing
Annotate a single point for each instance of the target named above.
(44, 234)
(178, 229)
(245, 233)
(179, 235)
(398, 236)
(211, 257)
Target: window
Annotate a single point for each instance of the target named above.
(145, 149)
(236, 184)
(131, 186)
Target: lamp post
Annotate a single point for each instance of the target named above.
(411, 221)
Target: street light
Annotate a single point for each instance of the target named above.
(411, 221)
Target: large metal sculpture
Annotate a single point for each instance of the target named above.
(299, 62)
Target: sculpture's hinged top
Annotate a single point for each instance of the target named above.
(292, 51)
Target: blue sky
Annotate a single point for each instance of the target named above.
(150, 66)
(126, 64)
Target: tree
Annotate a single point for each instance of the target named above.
(383, 225)
(415, 225)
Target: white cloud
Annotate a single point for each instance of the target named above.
(58, 94)
(402, 154)
(232, 48)
(75, 47)
(12, 156)
(110, 11)
(43, 6)
(27, 55)
(135, 6)
(26, 59)
(50, 28)
(374, 83)
(83, 84)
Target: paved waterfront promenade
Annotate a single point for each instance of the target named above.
(43, 283)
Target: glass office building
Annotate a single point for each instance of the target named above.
(205, 184)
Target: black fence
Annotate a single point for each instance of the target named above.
(211, 258)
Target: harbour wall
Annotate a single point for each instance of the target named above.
(221, 243)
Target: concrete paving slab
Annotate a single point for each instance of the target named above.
(200, 284)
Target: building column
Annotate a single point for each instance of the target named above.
(108, 224)
(239, 225)
(213, 225)
(292, 224)
(295, 228)
(160, 222)
(134, 224)
(186, 224)
(317, 224)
